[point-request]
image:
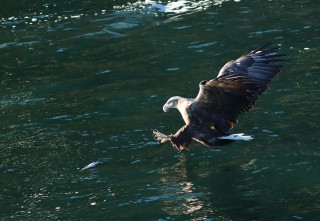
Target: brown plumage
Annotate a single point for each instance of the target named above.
(220, 101)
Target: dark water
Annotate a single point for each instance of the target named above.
(85, 81)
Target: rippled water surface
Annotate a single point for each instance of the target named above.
(85, 81)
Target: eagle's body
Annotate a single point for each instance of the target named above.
(210, 116)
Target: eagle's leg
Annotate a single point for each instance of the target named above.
(180, 140)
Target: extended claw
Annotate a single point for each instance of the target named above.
(187, 147)
(180, 148)
(160, 137)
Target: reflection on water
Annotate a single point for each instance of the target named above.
(84, 81)
(184, 198)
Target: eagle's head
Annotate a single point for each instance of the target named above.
(172, 103)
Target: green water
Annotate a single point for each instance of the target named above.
(85, 81)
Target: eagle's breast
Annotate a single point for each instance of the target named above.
(183, 107)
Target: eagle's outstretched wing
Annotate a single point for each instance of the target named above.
(237, 87)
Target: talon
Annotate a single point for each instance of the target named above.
(176, 148)
(160, 137)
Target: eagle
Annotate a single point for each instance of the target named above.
(214, 112)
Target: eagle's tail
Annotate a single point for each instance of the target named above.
(239, 136)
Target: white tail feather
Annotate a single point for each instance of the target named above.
(239, 136)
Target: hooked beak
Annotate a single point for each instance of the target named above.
(166, 107)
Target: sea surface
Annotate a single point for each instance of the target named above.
(84, 81)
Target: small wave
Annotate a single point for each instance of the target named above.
(123, 25)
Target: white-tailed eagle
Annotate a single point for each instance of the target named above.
(210, 116)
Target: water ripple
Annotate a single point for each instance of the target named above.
(169, 7)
